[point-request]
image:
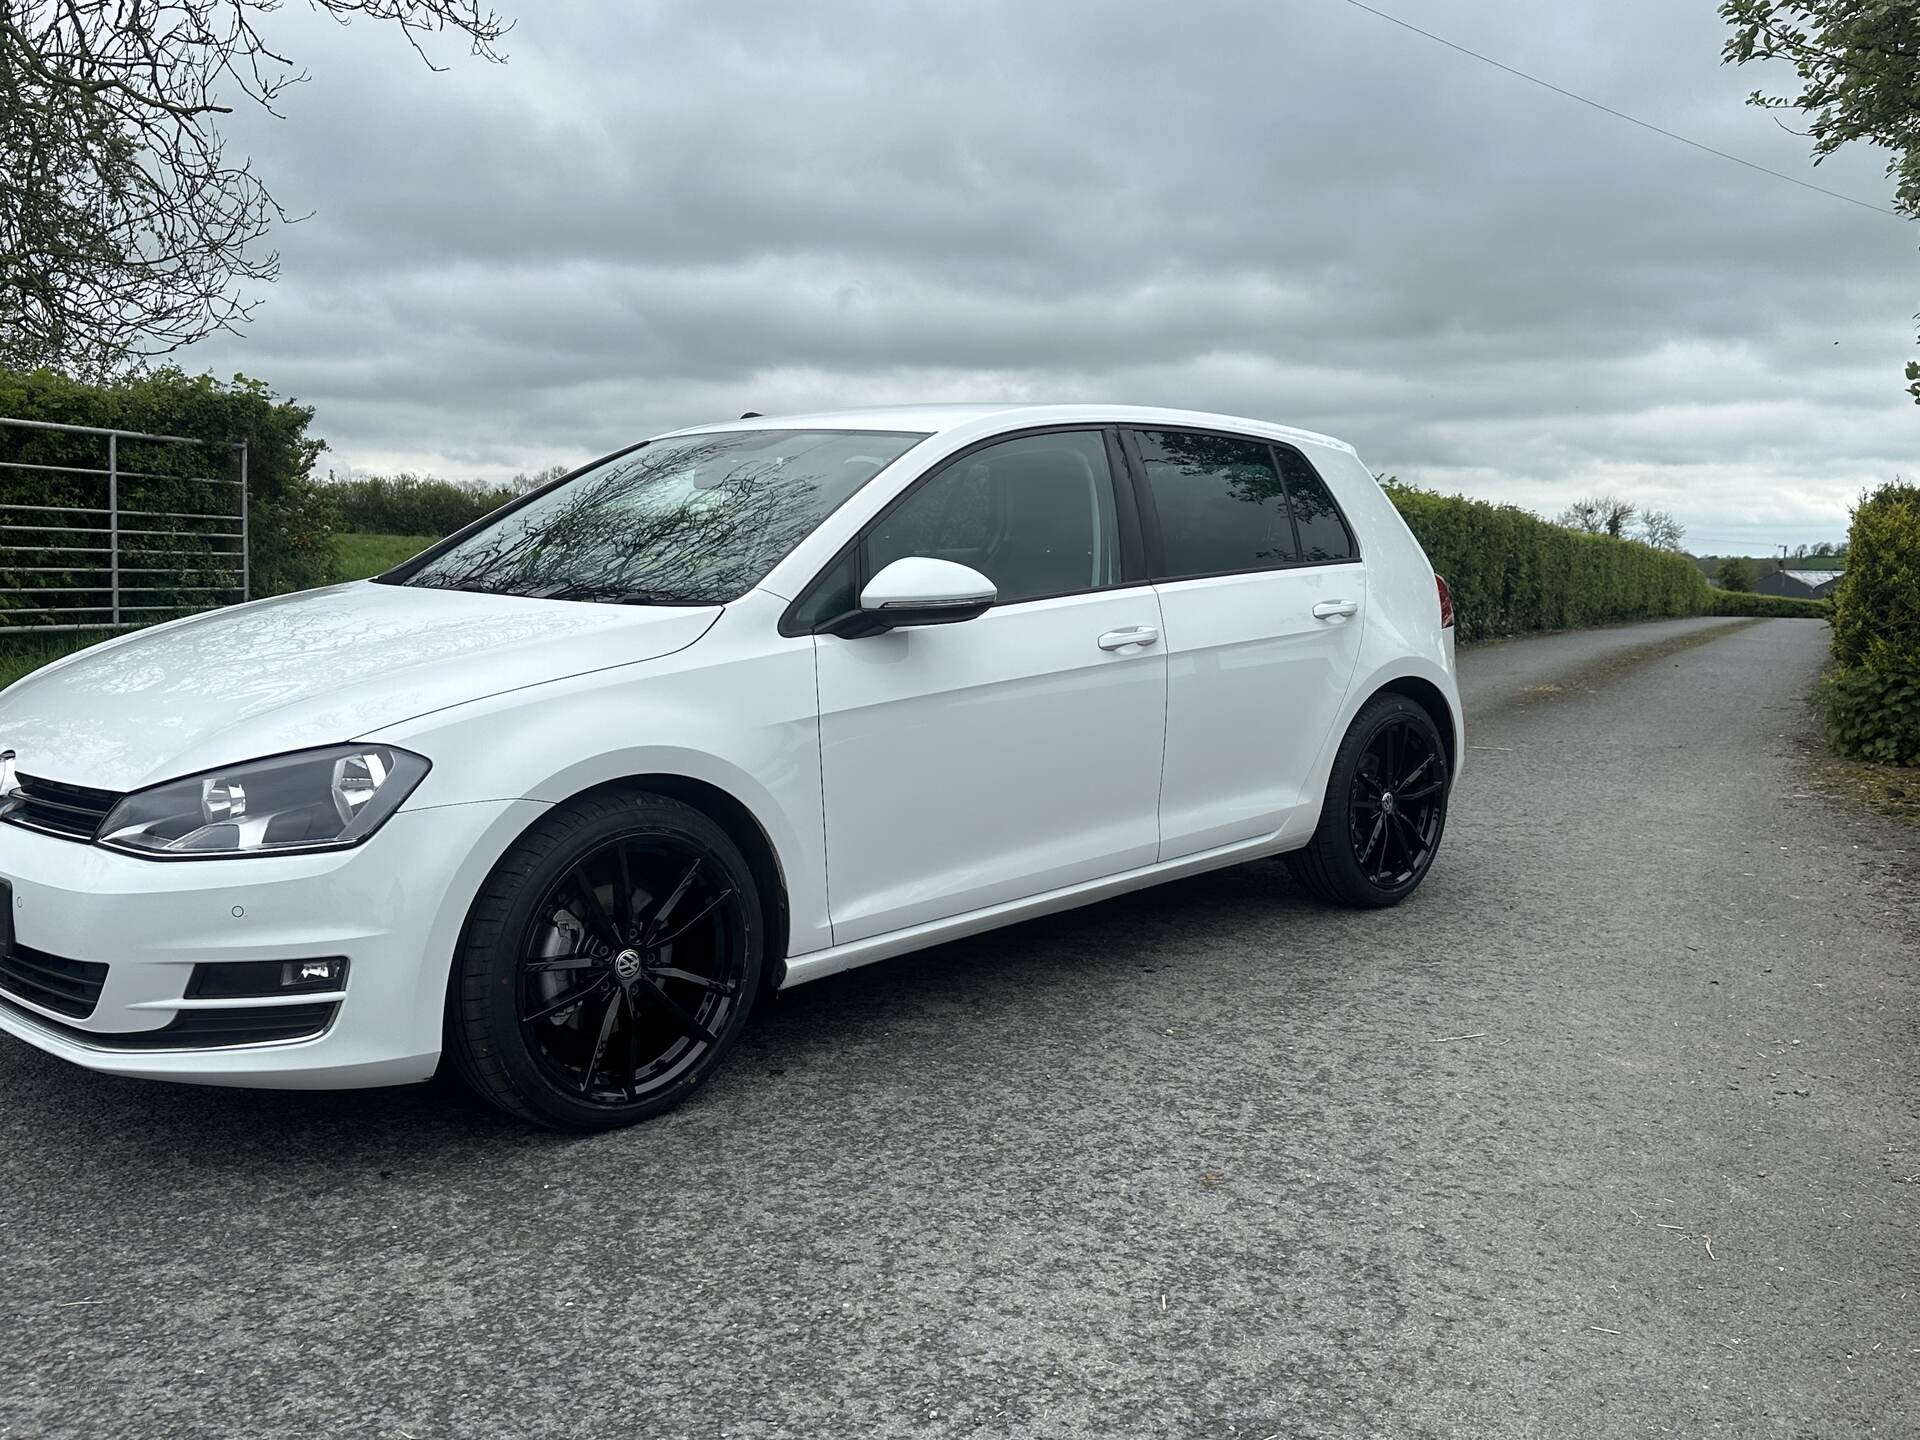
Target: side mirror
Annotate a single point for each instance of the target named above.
(919, 590)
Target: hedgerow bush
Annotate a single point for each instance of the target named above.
(290, 520)
(1873, 698)
(1875, 714)
(412, 504)
(1876, 605)
(1510, 571)
(1773, 607)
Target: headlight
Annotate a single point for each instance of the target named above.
(312, 800)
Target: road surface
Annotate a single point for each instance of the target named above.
(1612, 1130)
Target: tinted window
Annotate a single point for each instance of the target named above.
(1034, 515)
(1317, 520)
(1220, 503)
(697, 520)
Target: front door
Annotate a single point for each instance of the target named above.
(968, 765)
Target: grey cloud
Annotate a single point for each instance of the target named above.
(659, 215)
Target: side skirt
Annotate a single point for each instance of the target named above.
(831, 961)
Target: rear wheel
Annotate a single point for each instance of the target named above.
(608, 965)
(1385, 810)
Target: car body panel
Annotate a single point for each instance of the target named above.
(968, 765)
(312, 668)
(737, 711)
(1255, 681)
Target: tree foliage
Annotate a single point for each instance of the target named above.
(126, 230)
(1858, 67)
(1736, 572)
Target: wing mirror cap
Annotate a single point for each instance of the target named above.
(919, 590)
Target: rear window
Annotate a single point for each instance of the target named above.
(1317, 519)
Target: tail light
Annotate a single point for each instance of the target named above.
(1446, 602)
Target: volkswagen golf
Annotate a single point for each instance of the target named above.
(558, 801)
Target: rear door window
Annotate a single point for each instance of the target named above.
(1221, 503)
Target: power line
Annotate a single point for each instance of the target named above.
(1622, 115)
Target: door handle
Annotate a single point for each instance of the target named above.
(1327, 609)
(1132, 635)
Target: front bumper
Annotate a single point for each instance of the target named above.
(393, 906)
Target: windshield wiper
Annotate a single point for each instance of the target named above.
(605, 594)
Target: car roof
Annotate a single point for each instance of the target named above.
(933, 419)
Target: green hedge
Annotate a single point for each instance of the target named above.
(412, 504)
(1510, 571)
(1873, 698)
(1876, 605)
(289, 519)
(1773, 607)
(1875, 714)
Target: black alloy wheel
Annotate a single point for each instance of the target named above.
(1385, 810)
(1397, 803)
(609, 965)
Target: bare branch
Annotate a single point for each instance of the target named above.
(125, 230)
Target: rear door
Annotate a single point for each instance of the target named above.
(1263, 594)
(971, 764)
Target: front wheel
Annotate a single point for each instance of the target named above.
(608, 964)
(1385, 809)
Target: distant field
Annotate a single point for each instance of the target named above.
(358, 556)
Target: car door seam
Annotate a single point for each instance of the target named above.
(820, 779)
(1166, 701)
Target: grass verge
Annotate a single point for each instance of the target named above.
(356, 556)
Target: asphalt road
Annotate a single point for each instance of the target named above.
(1611, 1130)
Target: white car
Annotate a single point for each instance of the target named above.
(729, 710)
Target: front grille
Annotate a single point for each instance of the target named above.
(71, 987)
(73, 811)
(209, 1029)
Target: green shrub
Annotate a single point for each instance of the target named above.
(1876, 605)
(1735, 573)
(1875, 714)
(290, 520)
(1511, 571)
(412, 504)
(1774, 607)
(1872, 699)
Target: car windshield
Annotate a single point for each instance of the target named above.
(692, 520)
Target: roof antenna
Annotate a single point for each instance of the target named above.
(752, 415)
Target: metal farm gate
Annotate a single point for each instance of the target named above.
(113, 529)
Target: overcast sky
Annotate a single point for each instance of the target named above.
(663, 213)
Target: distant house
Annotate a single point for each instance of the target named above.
(1800, 584)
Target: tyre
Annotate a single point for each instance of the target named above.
(1385, 809)
(608, 965)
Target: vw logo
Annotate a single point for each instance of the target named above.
(627, 964)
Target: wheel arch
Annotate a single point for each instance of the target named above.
(1429, 697)
(732, 815)
(743, 827)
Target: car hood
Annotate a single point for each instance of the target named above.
(308, 669)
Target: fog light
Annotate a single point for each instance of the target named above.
(312, 974)
(265, 979)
